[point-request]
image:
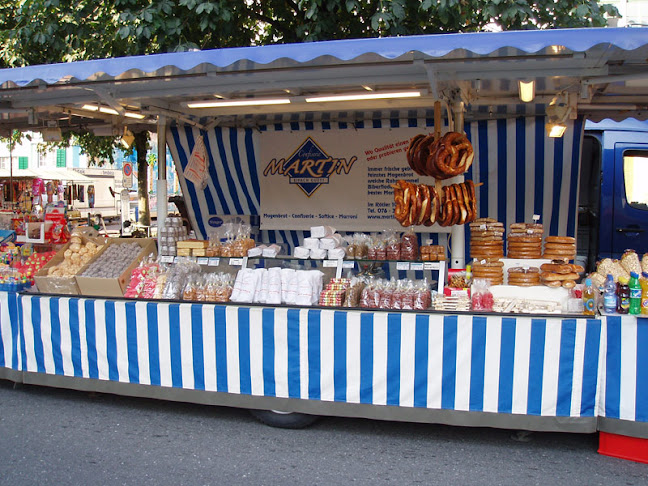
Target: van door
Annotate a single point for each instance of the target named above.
(630, 200)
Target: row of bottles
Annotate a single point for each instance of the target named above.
(628, 296)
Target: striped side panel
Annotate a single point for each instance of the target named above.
(533, 366)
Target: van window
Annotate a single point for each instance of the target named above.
(635, 175)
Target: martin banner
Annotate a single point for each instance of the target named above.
(341, 178)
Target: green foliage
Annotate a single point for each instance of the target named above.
(42, 31)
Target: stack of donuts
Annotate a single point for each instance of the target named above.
(524, 241)
(420, 204)
(524, 276)
(560, 274)
(449, 156)
(560, 247)
(489, 269)
(486, 238)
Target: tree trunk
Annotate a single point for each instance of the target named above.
(141, 145)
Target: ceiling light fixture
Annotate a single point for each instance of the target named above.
(557, 113)
(526, 90)
(364, 96)
(127, 138)
(241, 102)
(111, 111)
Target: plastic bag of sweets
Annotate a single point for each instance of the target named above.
(386, 291)
(423, 298)
(409, 246)
(392, 246)
(482, 298)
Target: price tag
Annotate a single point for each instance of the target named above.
(402, 265)
(482, 227)
(213, 262)
(416, 266)
(235, 262)
(536, 218)
(166, 259)
(330, 263)
(431, 266)
(176, 259)
(203, 261)
(348, 264)
(192, 259)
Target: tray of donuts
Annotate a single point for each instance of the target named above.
(486, 239)
(442, 158)
(560, 274)
(420, 204)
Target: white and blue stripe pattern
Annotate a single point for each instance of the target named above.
(10, 335)
(532, 366)
(624, 377)
(524, 172)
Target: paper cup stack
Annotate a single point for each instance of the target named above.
(560, 248)
(486, 238)
(524, 241)
(491, 270)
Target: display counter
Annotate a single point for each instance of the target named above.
(552, 373)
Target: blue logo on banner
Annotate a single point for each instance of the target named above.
(309, 167)
(215, 222)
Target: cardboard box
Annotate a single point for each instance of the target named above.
(61, 285)
(115, 287)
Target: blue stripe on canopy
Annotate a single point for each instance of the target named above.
(431, 46)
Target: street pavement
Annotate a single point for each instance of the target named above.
(62, 437)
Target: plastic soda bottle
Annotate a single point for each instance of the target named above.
(589, 306)
(635, 293)
(623, 301)
(610, 296)
(643, 281)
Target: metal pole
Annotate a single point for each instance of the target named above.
(458, 232)
(162, 195)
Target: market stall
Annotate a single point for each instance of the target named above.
(549, 370)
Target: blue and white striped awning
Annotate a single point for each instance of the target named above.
(468, 46)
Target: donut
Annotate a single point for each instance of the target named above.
(556, 268)
(548, 277)
(560, 239)
(569, 284)
(552, 283)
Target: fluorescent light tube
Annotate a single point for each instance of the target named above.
(242, 102)
(363, 96)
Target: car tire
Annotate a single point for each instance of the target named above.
(284, 420)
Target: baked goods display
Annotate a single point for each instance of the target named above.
(524, 241)
(486, 238)
(560, 274)
(433, 253)
(448, 156)
(491, 270)
(559, 247)
(75, 257)
(420, 204)
(524, 276)
(113, 261)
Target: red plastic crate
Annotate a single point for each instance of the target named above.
(623, 447)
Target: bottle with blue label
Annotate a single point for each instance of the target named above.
(635, 293)
(609, 295)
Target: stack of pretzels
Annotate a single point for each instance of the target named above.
(448, 156)
(420, 204)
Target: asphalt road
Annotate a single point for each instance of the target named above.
(61, 437)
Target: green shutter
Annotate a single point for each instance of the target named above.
(60, 158)
(23, 162)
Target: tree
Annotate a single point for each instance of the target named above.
(47, 31)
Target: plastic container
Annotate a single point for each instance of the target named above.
(623, 292)
(609, 295)
(643, 281)
(635, 294)
(589, 299)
